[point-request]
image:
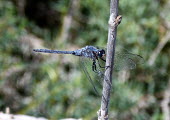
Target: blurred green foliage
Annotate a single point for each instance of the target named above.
(53, 86)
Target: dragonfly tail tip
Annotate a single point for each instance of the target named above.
(35, 50)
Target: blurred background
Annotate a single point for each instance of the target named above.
(53, 86)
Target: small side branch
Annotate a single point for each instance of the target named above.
(114, 21)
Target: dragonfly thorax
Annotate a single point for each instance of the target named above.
(91, 52)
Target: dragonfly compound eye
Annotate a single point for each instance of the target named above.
(101, 53)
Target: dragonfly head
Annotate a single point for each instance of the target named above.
(101, 53)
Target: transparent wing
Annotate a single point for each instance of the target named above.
(123, 60)
(126, 60)
(95, 78)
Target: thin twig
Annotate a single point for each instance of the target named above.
(113, 22)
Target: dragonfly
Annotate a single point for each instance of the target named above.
(122, 60)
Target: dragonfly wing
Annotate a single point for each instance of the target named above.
(86, 65)
(126, 60)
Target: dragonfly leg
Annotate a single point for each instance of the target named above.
(94, 66)
(100, 65)
(106, 67)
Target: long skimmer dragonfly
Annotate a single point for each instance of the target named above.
(122, 60)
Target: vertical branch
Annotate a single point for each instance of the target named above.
(113, 22)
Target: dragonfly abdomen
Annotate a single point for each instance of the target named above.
(53, 51)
